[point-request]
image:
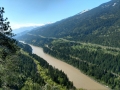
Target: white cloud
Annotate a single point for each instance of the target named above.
(17, 25)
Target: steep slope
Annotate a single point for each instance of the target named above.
(99, 25)
(22, 70)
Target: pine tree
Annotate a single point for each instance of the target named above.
(6, 35)
(4, 24)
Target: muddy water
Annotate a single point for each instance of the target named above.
(79, 79)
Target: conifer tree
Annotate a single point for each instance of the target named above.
(6, 35)
(4, 24)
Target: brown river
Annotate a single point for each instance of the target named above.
(79, 79)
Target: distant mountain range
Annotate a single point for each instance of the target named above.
(22, 29)
(100, 25)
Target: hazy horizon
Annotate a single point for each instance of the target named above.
(25, 13)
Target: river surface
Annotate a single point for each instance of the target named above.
(79, 79)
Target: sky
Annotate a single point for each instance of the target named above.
(22, 13)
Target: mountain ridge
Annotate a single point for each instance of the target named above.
(100, 23)
(91, 39)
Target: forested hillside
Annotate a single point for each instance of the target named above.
(20, 69)
(99, 25)
(100, 62)
(88, 41)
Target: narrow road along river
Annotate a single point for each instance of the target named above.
(79, 79)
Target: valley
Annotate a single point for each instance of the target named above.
(88, 41)
(79, 79)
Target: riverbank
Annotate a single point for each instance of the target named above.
(79, 79)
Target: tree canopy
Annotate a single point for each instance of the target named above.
(4, 24)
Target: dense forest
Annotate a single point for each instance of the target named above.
(24, 71)
(88, 41)
(100, 62)
(103, 64)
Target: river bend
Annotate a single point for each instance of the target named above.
(79, 79)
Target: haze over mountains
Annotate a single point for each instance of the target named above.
(22, 29)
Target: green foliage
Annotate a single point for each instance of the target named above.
(57, 76)
(20, 70)
(30, 85)
(38, 41)
(101, 63)
(6, 42)
(4, 24)
(25, 47)
(99, 25)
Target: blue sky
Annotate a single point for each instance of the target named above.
(39, 12)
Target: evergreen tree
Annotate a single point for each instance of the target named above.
(4, 24)
(6, 35)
